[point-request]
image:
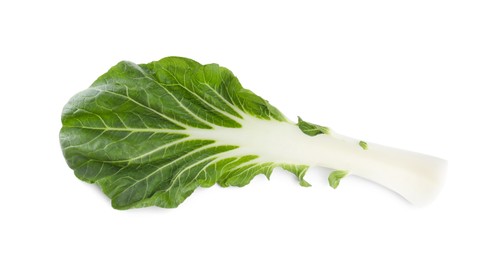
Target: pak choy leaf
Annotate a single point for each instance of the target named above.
(150, 134)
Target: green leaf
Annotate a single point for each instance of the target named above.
(311, 129)
(363, 145)
(150, 134)
(335, 177)
(299, 171)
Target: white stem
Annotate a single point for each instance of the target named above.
(416, 177)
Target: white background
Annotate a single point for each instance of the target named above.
(419, 75)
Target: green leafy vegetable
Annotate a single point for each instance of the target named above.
(150, 134)
(363, 145)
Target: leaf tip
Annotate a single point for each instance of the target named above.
(304, 183)
(335, 177)
(310, 128)
(364, 145)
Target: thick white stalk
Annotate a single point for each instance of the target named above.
(416, 177)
